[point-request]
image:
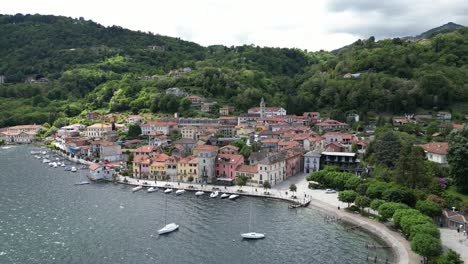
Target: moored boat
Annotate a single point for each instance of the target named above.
(136, 189)
(233, 196)
(253, 235)
(169, 190)
(224, 195)
(199, 193)
(179, 192)
(168, 228)
(82, 183)
(152, 189)
(73, 169)
(214, 194)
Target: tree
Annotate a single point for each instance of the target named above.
(376, 203)
(266, 185)
(426, 228)
(399, 213)
(362, 202)
(175, 135)
(190, 178)
(387, 149)
(426, 245)
(408, 221)
(429, 208)
(457, 155)
(241, 181)
(292, 188)
(399, 194)
(411, 169)
(347, 196)
(134, 131)
(450, 257)
(387, 210)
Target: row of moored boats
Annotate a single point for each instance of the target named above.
(214, 194)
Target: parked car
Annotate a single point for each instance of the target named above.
(330, 191)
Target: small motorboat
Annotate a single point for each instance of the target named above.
(63, 164)
(253, 235)
(152, 189)
(199, 193)
(179, 192)
(55, 165)
(82, 183)
(67, 168)
(224, 195)
(233, 196)
(214, 194)
(169, 190)
(51, 164)
(35, 152)
(73, 169)
(44, 152)
(168, 228)
(136, 189)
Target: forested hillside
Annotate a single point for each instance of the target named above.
(92, 67)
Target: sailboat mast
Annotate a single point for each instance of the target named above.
(165, 211)
(250, 216)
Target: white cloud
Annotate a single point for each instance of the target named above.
(312, 25)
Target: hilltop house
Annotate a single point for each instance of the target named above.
(436, 152)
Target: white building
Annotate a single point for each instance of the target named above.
(163, 127)
(20, 134)
(264, 111)
(311, 162)
(98, 130)
(273, 168)
(436, 152)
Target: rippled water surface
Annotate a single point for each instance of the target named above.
(45, 218)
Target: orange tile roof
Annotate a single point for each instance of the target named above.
(206, 147)
(247, 168)
(436, 147)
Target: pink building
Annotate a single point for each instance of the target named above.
(226, 165)
(293, 162)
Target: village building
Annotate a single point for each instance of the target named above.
(226, 165)
(187, 167)
(229, 149)
(226, 110)
(311, 162)
(134, 119)
(206, 155)
(251, 172)
(264, 111)
(436, 152)
(98, 130)
(163, 127)
(20, 134)
(331, 125)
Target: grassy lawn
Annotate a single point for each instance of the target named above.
(452, 190)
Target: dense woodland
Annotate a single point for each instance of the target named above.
(92, 67)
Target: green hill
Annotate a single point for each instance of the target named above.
(92, 67)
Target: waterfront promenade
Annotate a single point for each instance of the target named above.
(319, 199)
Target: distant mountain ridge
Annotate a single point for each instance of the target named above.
(448, 27)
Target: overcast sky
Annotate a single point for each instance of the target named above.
(305, 24)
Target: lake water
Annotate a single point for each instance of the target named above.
(45, 218)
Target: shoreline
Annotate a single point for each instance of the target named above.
(392, 239)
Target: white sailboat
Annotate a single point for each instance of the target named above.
(233, 196)
(199, 193)
(168, 190)
(179, 192)
(214, 194)
(168, 228)
(252, 235)
(73, 169)
(224, 195)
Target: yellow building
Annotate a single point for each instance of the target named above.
(187, 167)
(158, 170)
